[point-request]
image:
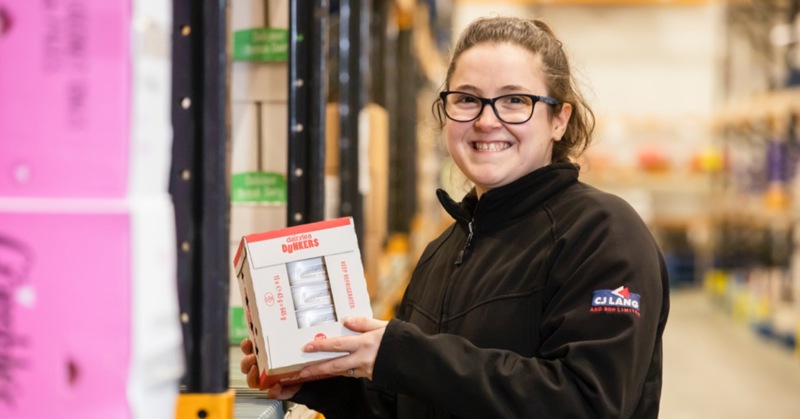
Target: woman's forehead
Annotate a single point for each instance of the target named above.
(501, 67)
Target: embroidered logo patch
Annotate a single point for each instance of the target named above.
(620, 300)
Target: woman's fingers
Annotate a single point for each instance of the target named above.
(249, 367)
(362, 350)
(348, 343)
(252, 377)
(340, 344)
(283, 393)
(364, 324)
(247, 362)
(246, 346)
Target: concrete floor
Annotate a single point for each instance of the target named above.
(717, 368)
(713, 367)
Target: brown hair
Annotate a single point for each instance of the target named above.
(537, 37)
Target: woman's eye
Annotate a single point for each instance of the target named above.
(467, 99)
(517, 100)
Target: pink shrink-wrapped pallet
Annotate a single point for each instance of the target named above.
(65, 98)
(87, 297)
(88, 302)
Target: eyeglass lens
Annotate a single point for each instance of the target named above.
(510, 108)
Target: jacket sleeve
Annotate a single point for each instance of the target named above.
(590, 363)
(345, 398)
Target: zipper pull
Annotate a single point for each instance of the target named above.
(460, 257)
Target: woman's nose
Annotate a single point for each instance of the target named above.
(488, 118)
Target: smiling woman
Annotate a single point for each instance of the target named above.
(545, 298)
(491, 151)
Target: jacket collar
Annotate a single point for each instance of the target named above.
(505, 204)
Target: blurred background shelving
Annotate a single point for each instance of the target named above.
(280, 112)
(697, 120)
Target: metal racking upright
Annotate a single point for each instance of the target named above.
(351, 100)
(403, 145)
(307, 97)
(200, 191)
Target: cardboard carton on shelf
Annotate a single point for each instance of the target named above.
(265, 82)
(298, 284)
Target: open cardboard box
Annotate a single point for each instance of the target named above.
(298, 284)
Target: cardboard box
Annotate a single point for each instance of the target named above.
(246, 218)
(298, 284)
(255, 13)
(245, 146)
(266, 82)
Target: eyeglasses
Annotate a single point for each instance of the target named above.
(511, 109)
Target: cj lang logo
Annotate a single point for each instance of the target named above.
(620, 300)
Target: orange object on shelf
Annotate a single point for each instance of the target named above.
(653, 161)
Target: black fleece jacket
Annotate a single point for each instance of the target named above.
(545, 299)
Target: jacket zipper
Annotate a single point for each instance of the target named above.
(460, 257)
(450, 282)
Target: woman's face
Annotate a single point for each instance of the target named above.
(489, 152)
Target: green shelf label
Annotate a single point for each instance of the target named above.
(261, 187)
(238, 325)
(261, 44)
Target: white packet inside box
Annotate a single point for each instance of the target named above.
(298, 284)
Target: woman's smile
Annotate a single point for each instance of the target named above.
(490, 146)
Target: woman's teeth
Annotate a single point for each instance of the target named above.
(491, 146)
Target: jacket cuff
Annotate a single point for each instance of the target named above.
(392, 355)
(326, 396)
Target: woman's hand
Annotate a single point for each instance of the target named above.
(362, 349)
(249, 366)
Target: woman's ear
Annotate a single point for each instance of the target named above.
(560, 121)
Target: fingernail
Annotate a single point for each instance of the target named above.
(304, 374)
(348, 320)
(309, 348)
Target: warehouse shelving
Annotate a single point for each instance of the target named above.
(754, 272)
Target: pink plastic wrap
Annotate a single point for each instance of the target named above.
(64, 98)
(65, 327)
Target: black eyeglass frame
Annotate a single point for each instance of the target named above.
(485, 101)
